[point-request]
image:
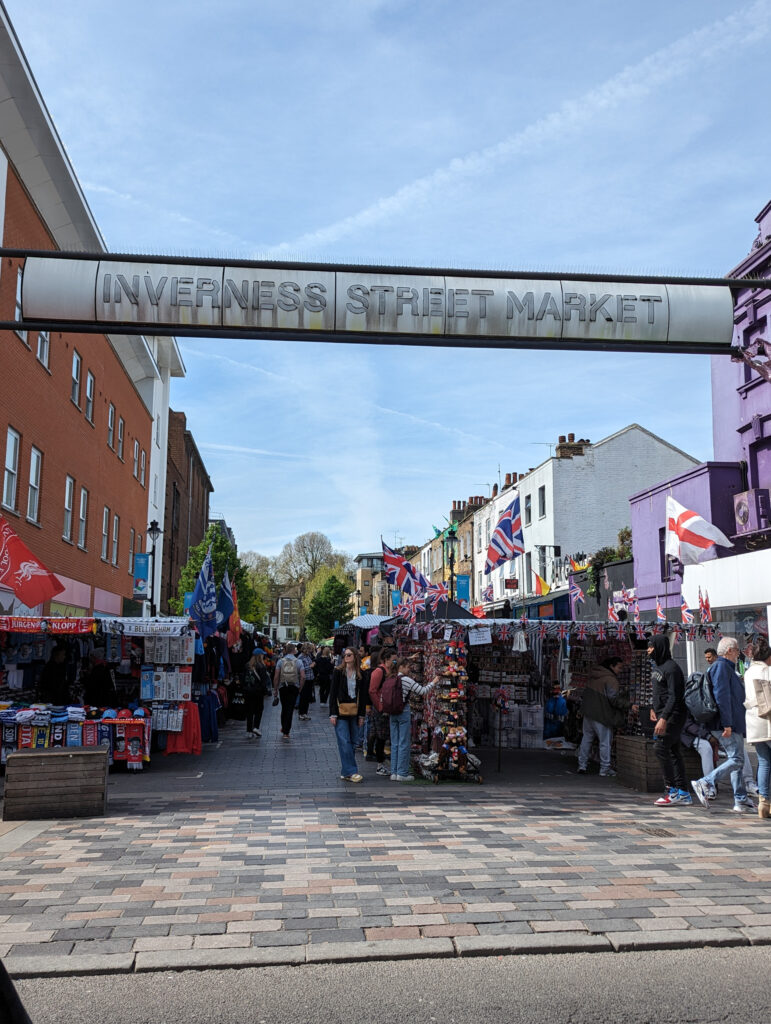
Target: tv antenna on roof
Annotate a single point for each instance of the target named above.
(549, 444)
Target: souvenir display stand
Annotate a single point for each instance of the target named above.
(129, 680)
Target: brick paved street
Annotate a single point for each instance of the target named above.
(256, 852)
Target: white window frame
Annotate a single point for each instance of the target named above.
(487, 533)
(121, 435)
(528, 510)
(11, 474)
(105, 532)
(33, 489)
(44, 348)
(90, 391)
(132, 540)
(136, 459)
(158, 430)
(111, 426)
(17, 307)
(115, 537)
(69, 505)
(77, 368)
(542, 501)
(142, 466)
(83, 518)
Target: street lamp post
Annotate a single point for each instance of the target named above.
(451, 541)
(357, 595)
(153, 532)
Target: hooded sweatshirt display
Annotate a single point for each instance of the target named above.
(668, 683)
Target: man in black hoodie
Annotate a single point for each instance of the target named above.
(669, 713)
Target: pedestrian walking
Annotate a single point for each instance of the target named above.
(604, 710)
(256, 684)
(287, 683)
(729, 728)
(380, 725)
(758, 678)
(395, 695)
(347, 707)
(696, 736)
(306, 693)
(669, 713)
(322, 669)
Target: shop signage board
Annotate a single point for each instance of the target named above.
(512, 583)
(478, 635)
(377, 305)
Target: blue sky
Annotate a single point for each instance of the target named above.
(597, 136)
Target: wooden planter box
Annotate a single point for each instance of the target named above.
(639, 768)
(61, 783)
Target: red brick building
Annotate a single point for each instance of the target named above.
(83, 418)
(187, 504)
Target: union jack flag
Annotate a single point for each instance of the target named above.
(402, 610)
(612, 613)
(418, 602)
(563, 629)
(487, 593)
(576, 594)
(437, 592)
(661, 615)
(401, 573)
(620, 630)
(625, 595)
(636, 611)
(542, 629)
(691, 632)
(581, 633)
(601, 631)
(709, 634)
(678, 632)
(640, 630)
(686, 612)
(705, 612)
(507, 540)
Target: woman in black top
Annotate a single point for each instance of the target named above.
(256, 685)
(322, 668)
(347, 708)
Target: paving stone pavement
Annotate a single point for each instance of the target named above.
(258, 853)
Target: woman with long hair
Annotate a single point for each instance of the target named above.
(256, 685)
(347, 708)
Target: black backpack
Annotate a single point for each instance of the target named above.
(700, 698)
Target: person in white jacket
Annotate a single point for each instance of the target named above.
(759, 729)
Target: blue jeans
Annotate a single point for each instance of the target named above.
(401, 741)
(763, 750)
(733, 764)
(347, 731)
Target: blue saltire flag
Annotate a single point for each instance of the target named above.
(203, 608)
(225, 604)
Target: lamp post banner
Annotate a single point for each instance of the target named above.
(396, 306)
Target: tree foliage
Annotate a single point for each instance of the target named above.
(223, 555)
(299, 561)
(330, 604)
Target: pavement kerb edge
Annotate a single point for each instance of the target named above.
(393, 949)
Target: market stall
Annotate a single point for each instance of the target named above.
(519, 684)
(124, 683)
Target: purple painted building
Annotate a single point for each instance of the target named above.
(733, 491)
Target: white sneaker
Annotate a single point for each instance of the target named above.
(745, 806)
(394, 778)
(405, 778)
(256, 732)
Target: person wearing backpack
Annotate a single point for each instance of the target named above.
(287, 682)
(757, 686)
(380, 727)
(668, 712)
(347, 708)
(395, 695)
(729, 728)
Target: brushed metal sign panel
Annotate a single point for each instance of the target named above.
(278, 299)
(700, 314)
(58, 289)
(614, 312)
(391, 304)
(159, 293)
(503, 308)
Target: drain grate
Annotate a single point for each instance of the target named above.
(651, 830)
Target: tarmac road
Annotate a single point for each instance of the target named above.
(708, 986)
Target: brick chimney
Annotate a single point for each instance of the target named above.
(568, 449)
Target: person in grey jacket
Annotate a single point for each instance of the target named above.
(601, 707)
(729, 728)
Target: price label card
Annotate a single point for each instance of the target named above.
(480, 635)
